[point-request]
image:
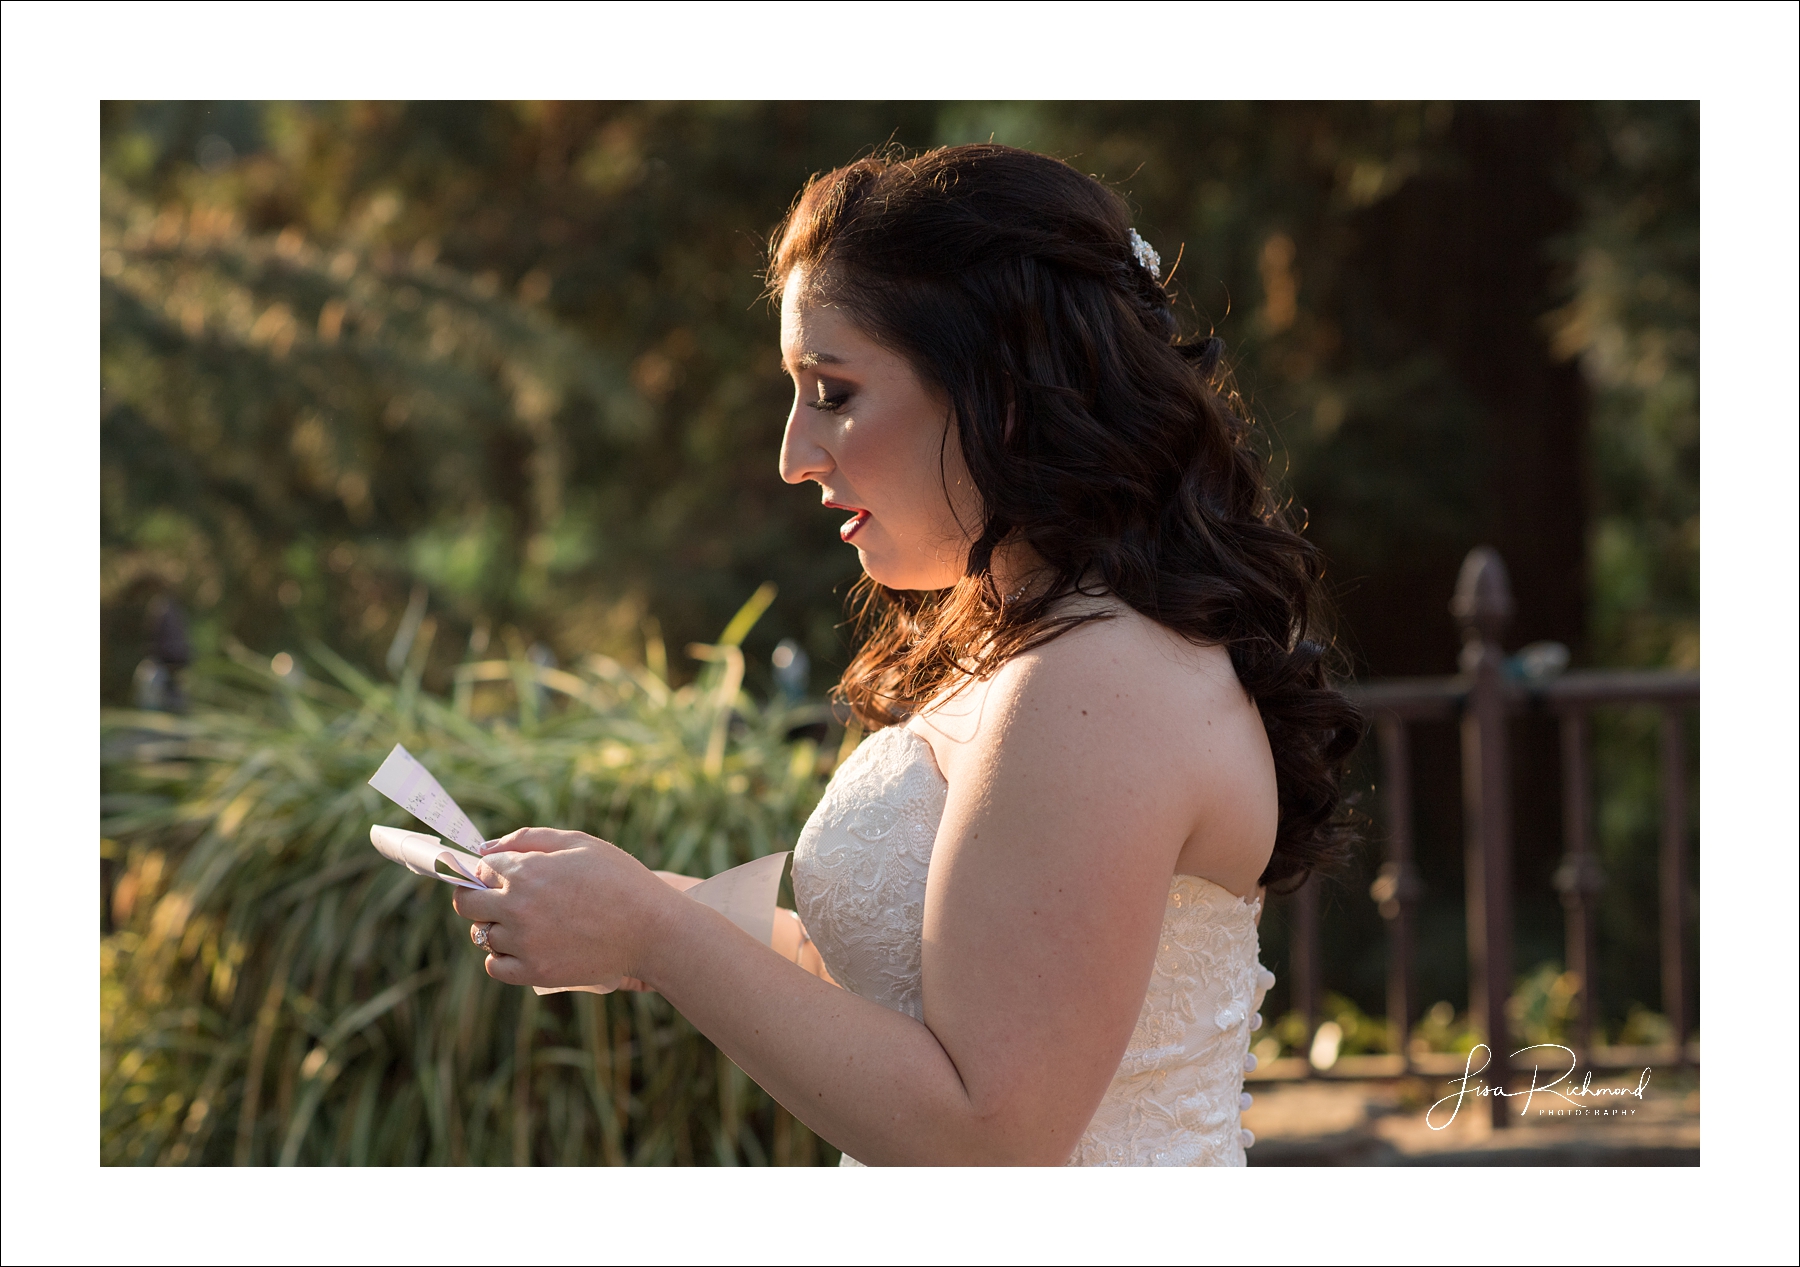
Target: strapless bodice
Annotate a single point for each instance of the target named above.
(860, 870)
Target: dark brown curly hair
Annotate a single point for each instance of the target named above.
(1008, 278)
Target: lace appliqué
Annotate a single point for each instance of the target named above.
(860, 868)
(1175, 1100)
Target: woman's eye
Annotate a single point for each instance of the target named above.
(830, 404)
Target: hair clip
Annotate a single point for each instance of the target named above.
(1146, 255)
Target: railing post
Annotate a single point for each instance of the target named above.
(1673, 875)
(1580, 878)
(1482, 606)
(1397, 888)
(1306, 958)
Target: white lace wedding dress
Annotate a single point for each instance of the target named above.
(859, 883)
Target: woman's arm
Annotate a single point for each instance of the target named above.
(1067, 809)
(788, 935)
(567, 906)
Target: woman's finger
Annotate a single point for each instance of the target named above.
(498, 939)
(499, 844)
(535, 840)
(479, 905)
(506, 968)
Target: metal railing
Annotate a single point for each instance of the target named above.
(1482, 698)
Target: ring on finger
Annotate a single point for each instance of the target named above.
(481, 937)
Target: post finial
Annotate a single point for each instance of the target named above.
(1483, 603)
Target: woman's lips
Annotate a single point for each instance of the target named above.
(853, 524)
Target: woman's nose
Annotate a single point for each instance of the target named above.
(802, 456)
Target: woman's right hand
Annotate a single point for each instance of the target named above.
(564, 907)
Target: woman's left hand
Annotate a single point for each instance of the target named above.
(565, 908)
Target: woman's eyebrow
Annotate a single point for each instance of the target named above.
(807, 360)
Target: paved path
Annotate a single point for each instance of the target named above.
(1339, 1123)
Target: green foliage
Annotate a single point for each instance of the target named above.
(514, 351)
(272, 408)
(1359, 1033)
(1362, 1034)
(1442, 1028)
(1633, 321)
(276, 992)
(1544, 1006)
(1644, 1028)
(612, 250)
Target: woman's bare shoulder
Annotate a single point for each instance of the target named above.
(1129, 705)
(1127, 727)
(1125, 660)
(1111, 692)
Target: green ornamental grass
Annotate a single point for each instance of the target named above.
(274, 992)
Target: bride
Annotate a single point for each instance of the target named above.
(1028, 902)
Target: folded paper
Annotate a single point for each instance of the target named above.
(744, 895)
(426, 855)
(410, 786)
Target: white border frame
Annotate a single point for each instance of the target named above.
(61, 59)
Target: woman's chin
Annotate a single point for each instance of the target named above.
(886, 572)
(880, 570)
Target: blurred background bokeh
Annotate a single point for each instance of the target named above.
(394, 391)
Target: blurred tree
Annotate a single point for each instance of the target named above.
(1632, 321)
(1387, 275)
(285, 425)
(616, 245)
(1380, 271)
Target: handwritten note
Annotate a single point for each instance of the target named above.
(410, 786)
(427, 856)
(745, 895)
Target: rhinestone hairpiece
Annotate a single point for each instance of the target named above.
(1146, 255)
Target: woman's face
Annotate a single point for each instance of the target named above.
(880, 444)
